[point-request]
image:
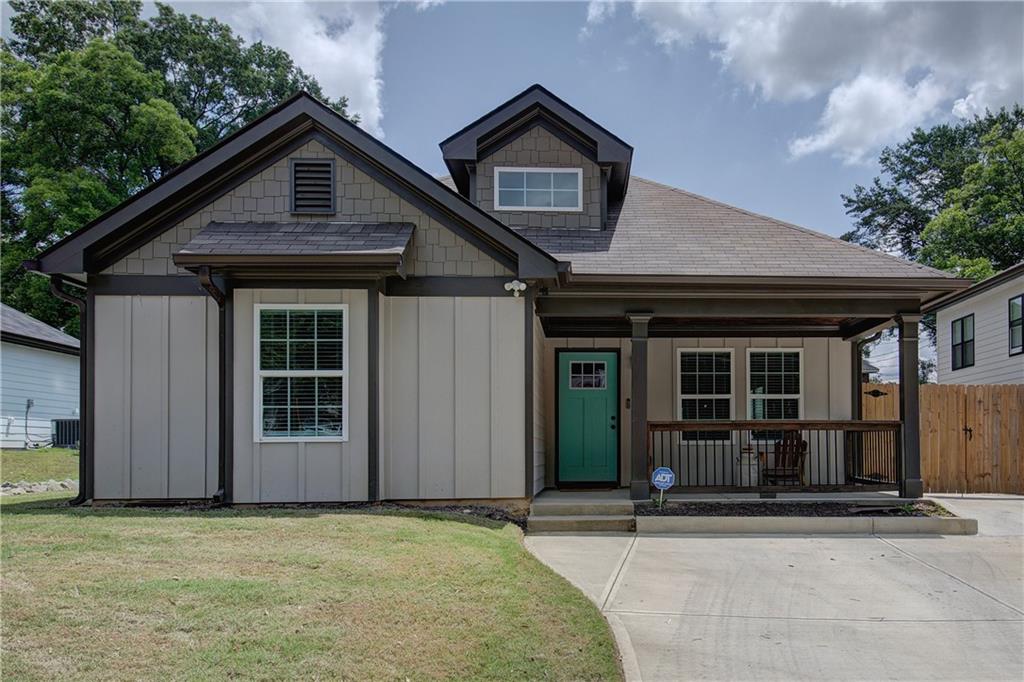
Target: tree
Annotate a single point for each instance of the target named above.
(97, 103)
(214, 80)
(891, 214)
(79, 134)
(981, 230)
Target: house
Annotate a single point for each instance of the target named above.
(866, 370)
(301, 314)
(980, 331)
(39, 368)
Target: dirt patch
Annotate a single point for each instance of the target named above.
(922, 508)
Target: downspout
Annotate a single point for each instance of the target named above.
(218, 295)
(84, 453)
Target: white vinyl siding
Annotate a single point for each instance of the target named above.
(300, 372)
(993, 361)
(538, 189)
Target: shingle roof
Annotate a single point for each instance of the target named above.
(18, 323)
(661, 230)
(294, 239)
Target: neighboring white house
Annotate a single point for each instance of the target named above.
(38, 379)
(980, 331)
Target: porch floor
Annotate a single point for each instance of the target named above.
(618, 496)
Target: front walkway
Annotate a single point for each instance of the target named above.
(802, 607)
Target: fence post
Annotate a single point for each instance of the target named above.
(911, 484)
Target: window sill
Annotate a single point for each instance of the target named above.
(531, 209)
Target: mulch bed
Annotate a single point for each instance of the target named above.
(923, 508)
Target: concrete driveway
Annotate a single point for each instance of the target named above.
(802, 607)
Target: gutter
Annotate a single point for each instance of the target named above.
(220, 297)
(84, 454)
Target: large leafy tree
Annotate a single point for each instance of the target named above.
(98, 102)
(917, 177)
(80, 133)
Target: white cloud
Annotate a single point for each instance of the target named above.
(883, 67)
(339, 43)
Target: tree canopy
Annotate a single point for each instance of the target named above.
(97, 103)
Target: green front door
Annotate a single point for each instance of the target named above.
(588, 417)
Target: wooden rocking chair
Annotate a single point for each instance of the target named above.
(790, 455)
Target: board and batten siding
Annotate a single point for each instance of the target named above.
(827, 389)
(454, 397)
(993, 363)
(539, 408)
(300, 471)
(155, 397)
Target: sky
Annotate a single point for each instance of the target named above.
(776, 108)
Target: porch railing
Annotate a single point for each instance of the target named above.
(777, 455)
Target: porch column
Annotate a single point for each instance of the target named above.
(910, 481)
(639, 488)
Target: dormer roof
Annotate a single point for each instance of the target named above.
(537, 106)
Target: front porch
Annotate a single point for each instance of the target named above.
(758, 397)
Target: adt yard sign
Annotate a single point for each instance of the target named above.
(663, 478)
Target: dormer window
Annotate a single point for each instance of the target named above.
(538, 189)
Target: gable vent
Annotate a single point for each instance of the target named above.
(312, 186)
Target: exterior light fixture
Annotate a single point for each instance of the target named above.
(516, 287)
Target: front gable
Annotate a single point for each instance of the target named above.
(436, 250)
(240, 178)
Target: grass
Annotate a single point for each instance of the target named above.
(38, 465)
(284, 594)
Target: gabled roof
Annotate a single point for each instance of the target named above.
(17, 327)
(984, 285)
(260, 138)
(535, 105)
(659, 230)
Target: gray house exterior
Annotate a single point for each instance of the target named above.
(300, 314)
(38, 379)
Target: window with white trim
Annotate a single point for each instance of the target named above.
(301, 382)
(774, 386)
(705, 390)
(538, 189)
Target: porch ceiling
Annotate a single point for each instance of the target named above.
(661, 327)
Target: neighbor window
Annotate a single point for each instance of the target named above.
(301, 372)
(774, 386)
(963, 342)
(705, 391)
(538, 189)
(1017, 325)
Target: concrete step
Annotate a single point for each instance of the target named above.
(604, 508)
(581, 523)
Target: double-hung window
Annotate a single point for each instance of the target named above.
(538, 189)
(963, 342)
(705, 390)
(775, 386)
(301, 381)
(1017, 325)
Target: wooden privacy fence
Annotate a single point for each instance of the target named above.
(972, 437)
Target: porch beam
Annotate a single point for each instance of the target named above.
(557, 306)
(639, 489)
(864, 328)
(911, 484)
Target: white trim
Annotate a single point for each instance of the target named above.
(578, 208)
(732, 388)
(803, 374)
(258, 374)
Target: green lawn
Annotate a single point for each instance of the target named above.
(284, 594)
(38, 465)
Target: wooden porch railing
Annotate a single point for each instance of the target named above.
(808, 455)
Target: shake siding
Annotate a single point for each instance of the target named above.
(435, 250)
(993, 363)
(453, 397)
(155, 397)
(537, 148)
